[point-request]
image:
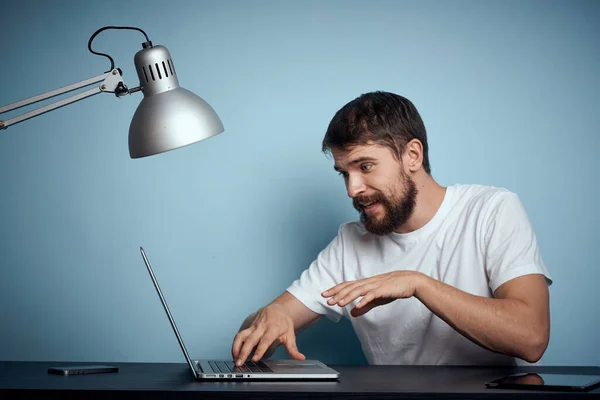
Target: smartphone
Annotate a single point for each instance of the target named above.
(547, 381)
(82, 369)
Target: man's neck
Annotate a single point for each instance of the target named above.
(429, 199)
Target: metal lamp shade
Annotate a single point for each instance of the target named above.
(170, 120)
(169, 116)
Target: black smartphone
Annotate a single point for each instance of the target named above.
(547, 381)
(82, 369)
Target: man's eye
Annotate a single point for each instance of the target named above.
(344, 174)
(366, 167)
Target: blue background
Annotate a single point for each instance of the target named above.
(508, 91)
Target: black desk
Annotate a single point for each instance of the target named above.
(174, 381)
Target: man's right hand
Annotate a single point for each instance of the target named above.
(271, 326)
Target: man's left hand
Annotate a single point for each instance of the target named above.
(375, 291)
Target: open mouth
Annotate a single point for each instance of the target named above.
(369, 207)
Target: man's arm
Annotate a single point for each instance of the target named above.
(515, 322)
(302, 315)
(275, 324)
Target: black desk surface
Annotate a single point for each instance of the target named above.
(172, 380)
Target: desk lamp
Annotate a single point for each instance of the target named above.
(168, 117)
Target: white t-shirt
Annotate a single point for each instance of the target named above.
(479, 238)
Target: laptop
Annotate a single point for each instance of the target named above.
(262, 370)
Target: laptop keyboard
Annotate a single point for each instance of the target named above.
(228, 367)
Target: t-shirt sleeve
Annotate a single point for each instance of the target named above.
(323, 273)
(511, 245)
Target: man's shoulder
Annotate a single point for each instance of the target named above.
(485, 203)
(474, 194)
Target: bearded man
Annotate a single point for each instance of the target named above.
(430, 274)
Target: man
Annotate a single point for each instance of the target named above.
(430, 274)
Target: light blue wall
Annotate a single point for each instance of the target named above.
(509, 92)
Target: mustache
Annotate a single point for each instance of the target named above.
(368, 199)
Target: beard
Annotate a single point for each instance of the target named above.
(397, 207)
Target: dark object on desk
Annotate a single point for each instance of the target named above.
(547, 381)
(82, 369)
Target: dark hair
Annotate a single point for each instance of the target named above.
(379, 117)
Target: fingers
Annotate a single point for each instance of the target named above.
(292, 348)
(338, 292)
(351, 293)
(269, 325)
(265, 342)
(249, 344)
(365, 305)
(334, 290)
(239, 340)
(367, 298)
(356, 292)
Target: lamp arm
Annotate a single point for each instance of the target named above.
(111, 83)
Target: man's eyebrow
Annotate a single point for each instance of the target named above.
(354, 162)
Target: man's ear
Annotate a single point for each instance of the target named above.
(413, 155)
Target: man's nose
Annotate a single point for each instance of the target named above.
(355, 186)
